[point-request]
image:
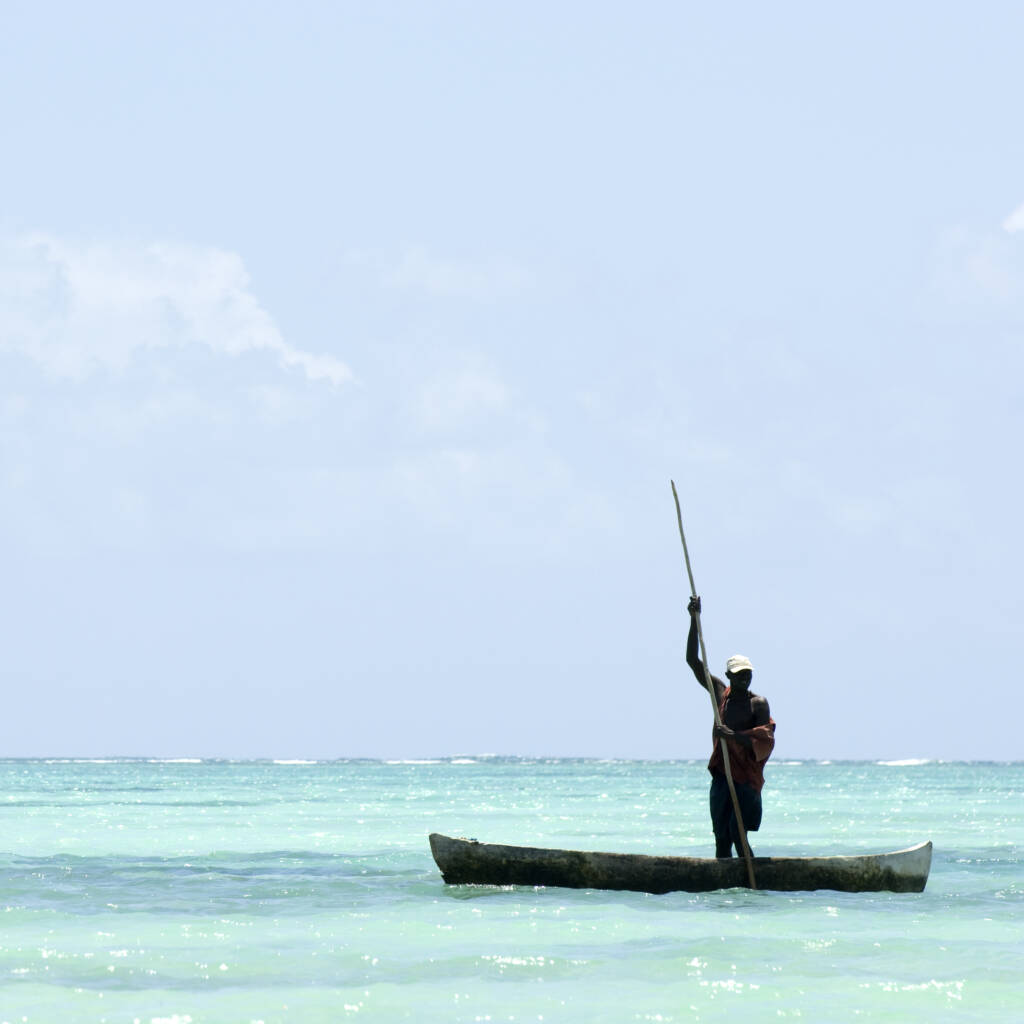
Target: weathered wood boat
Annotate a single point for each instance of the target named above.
(468, 861)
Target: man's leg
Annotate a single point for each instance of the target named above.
(750, 807)
(722, 818)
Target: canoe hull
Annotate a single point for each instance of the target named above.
(465, 861)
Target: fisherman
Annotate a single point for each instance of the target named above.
(749, 732)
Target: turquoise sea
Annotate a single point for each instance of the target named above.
(183, 892)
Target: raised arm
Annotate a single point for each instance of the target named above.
(693, 651)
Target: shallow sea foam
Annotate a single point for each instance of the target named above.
(185, 891)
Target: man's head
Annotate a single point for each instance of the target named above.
(739, 671)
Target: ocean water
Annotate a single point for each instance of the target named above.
(188, 892)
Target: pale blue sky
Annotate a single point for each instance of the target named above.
(347, 351)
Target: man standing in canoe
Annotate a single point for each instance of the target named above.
(749, 732)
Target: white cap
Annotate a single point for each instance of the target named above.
(737, 663)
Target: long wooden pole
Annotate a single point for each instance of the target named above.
(714, 703)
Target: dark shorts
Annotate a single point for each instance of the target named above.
(723, 818)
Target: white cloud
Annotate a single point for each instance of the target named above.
(461, 397)
(979, 268)
(1015, 222)
(72, 305)
(419, 271)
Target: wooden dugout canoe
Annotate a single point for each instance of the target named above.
(468, 861)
